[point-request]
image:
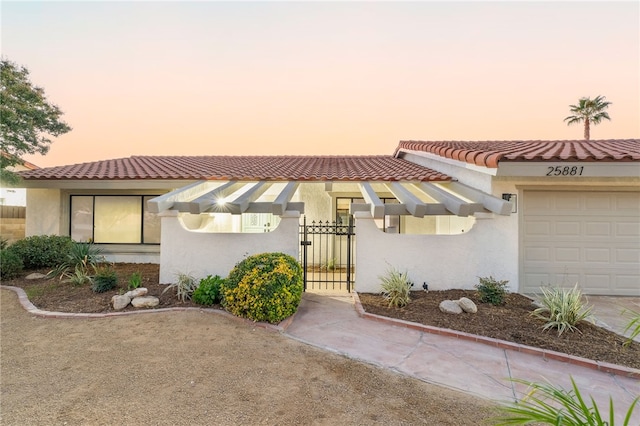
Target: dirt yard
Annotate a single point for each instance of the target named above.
(511, 321)
(195, 368)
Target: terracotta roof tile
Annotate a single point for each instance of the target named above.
(299, 168)
(490, 153)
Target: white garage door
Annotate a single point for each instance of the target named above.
(589, 238)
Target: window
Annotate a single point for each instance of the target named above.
(109, 219)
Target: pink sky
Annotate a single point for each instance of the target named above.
(235, 78)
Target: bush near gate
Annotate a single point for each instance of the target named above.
(264, 287)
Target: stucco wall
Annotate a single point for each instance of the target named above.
(44, 212)
(443, 261)
(317, 202)
(201, 254)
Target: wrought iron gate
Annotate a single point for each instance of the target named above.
(327, 254)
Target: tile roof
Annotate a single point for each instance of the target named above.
(245, 168)
(490, 153)
(21, 162)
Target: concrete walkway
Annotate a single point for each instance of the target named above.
(331, 322)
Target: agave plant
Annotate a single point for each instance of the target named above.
(396, 288)
(185, 286)
(633, 325)
(547, 404)
(82, 257)
(562, 309)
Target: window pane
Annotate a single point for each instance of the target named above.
(151, 226)
(118, 220)
(82, 218)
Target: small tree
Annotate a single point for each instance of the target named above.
(590, 111)
(28, 119)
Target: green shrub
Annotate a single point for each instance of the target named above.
(264, 287)
(633, 325)
(491, 290)
(396, 288)
(552, 405)
(42, 251)
(185, 286)
(208, 291)
(10, 264)
(4, 243)
(562, 309)
(104, 279)
(135, 281)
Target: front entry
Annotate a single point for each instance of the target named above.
(327, 255)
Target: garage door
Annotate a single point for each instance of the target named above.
(589, 238)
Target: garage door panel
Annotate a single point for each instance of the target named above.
(567, 255)
(629, 255)
(589, 238)
(538, 254)
(538, 228)
(535, 281)
(597, 229)
(628, 229)
(568, 203)
(596, 283)
(598, 255)
(627, 284)
(628, 202)
(597, 201)
(565, 228)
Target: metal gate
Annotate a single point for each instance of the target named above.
(327, 254)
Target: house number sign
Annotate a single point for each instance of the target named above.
(565, 170)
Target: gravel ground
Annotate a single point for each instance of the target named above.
(196, 368)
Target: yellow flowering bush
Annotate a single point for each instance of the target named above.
(263, 287)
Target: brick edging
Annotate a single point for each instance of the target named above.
(32, 309)
(605, 367)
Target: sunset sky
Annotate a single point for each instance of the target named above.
(238, 78)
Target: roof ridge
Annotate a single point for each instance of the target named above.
(490, 153)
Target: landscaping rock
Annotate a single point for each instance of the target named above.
(450, 307)
(120, 301)
(136, 292)
(467, 305)
(35, 276)
(145, 302)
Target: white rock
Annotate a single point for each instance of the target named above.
(145, 302)
(35, 276)
(450, 307)
(120, 301)
(136, 292)
(467, 305)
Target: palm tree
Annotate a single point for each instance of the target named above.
(590, 111)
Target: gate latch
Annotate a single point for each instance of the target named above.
(305, 243)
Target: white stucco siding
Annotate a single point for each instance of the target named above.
(201, 254)
(131, 253)
(443, 261)
(317, 202)
(44, 212)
